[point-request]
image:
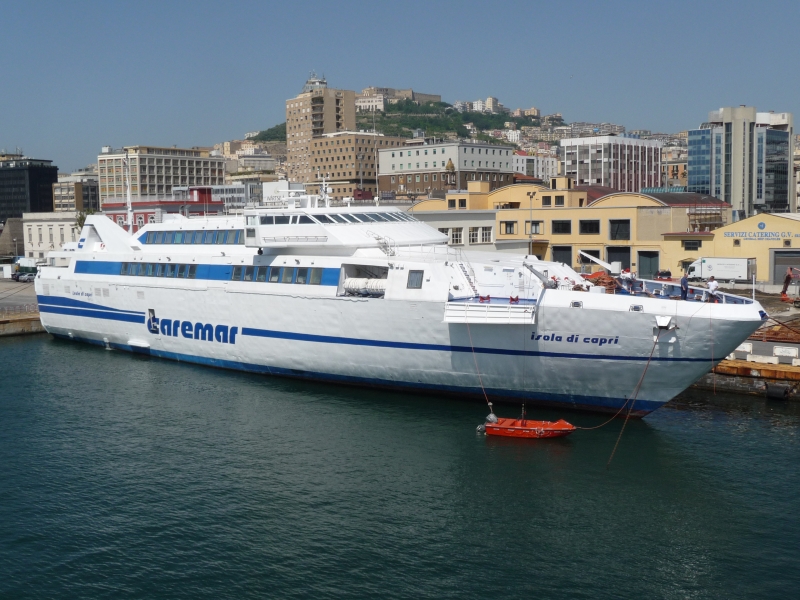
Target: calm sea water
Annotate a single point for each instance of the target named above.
(128, 477)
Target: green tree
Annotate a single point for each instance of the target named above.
(273, 134)
(80, 218)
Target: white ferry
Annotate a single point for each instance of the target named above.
(373, 297)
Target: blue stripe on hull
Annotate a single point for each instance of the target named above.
(59, 301)
(93, 314)
(328, 339)
(589, 403)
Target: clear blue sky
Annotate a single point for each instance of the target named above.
(75, 76)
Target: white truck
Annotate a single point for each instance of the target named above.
(722, 269)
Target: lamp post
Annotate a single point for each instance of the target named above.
(531, 196)
(16, 252)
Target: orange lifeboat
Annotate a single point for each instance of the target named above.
(525, 428)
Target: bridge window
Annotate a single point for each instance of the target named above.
(302, 276)
(274, 274)
(269, 220)
(306, 220)
(182, 270)
(281, 220)
(414, 280)
(315, 277)
(287, 275)
(248, 273)
(237, 274)
(192, 271)
(261, 274)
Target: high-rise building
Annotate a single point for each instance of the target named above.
(155, 170)
(26, 185)
(744, 157)
(619, 162)
(317, 110)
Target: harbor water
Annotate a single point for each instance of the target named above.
(128, 477)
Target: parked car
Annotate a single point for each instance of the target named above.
(15, 275)
(27, 277)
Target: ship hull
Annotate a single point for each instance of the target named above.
(575, 359)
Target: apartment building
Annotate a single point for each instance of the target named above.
(744, 157)
(541, 167)
(316, 111)
(155, 170)
(79, 191)
(348, 162)
(620, 162)
(429, 166)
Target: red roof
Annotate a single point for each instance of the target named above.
(520, 178)
(593, 192)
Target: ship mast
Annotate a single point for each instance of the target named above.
(128, 185)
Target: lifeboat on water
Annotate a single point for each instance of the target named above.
(525, 428)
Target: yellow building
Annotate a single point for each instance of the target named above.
(560, 219)
(772, 239)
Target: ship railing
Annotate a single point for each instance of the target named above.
(672, 290)
(497, 314)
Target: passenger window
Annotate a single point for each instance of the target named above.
(167, 237)
(208, 237)
(159, 270)
(170, 270)
(123, 270)
(415, 280)
(315, 277)
(261, 274)
(267, 220)
(141, 270)
(238, 239)
(150, 237)
(192, 271)
(274, 274)
(248, 273)
(281, 220)
(231, 237)
(302, 276)
(306, 220)
(149, 271)
(188, 237)
(237, 274)
(131, 268)
(286, 275)
(178, 239)
(182, 271)
(159, 237)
